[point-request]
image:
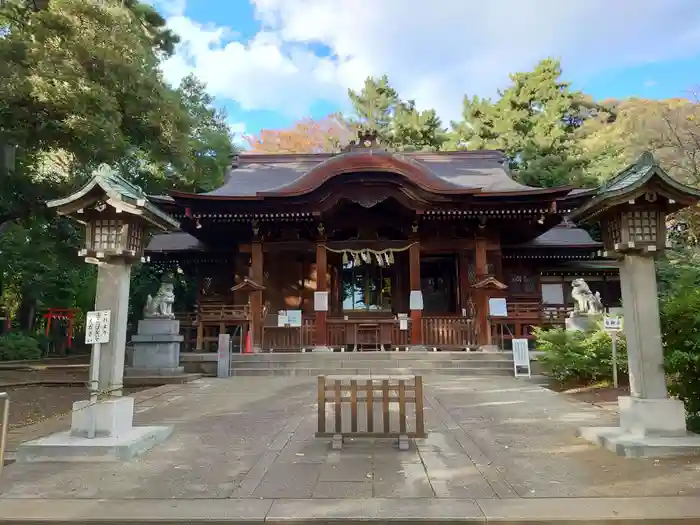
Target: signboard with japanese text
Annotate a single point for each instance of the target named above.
(294, 318)
(97, 327)
(282, 318)
(612, 324)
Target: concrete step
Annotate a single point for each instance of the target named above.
(375, 365)
(372, 356)
(312, 372)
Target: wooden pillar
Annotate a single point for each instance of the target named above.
(256, 296)
(463, 272)
(199, 345)
(482, 300)
(416, 297)
(321, 287)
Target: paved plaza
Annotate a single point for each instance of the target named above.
(244, 449)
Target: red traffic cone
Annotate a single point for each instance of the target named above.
(248, 348)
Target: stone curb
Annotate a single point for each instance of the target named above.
(551, 511)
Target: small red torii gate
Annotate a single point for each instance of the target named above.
(62, 314)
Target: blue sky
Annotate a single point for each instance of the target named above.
(271, 62)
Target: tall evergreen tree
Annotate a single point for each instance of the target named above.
(398, 123)
(534, 122)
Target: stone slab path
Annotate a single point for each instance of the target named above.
(497, 448)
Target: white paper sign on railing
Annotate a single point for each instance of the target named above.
(498, 307)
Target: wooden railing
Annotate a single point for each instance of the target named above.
(523, 316)
(218, 312)
(201, 328)
(449, 332)
(286, 338)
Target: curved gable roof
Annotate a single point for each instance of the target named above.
(362, 162)
(456, 172)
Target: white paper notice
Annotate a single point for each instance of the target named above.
(294, 318)
(321, 301)
(498, 307)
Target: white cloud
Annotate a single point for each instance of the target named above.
(238, 131)
(432, 51)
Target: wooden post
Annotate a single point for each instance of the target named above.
(414, 281)
(482, 301)
(256, 296)
(464, 284)
(321, 286)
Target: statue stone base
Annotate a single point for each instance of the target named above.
(156, 348)
(581, 322)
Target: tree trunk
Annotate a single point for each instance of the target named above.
(27, 314)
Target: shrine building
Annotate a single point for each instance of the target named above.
(372, 250)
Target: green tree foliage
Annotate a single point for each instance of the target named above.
(680, 324)
(209, 140)
(576, 358)
(534, 122)
(81, 74)
(81, 86)
(398, 123)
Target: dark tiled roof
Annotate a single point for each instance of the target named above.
(559, 236)
(562, 236)
(255, 174)
(174, 242)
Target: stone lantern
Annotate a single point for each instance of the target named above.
(631, 209)
(117, 216)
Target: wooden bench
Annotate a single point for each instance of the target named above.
(369, 402)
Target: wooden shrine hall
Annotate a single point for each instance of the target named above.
(372, 250)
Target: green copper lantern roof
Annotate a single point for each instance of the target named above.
(107, 185)
(630, 183)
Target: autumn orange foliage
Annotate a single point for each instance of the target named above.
(326, 135)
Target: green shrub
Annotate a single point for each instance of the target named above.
(17, 346)
(680, 324)
(580, 357)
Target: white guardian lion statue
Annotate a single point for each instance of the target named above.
(585, 301)
(162, 304)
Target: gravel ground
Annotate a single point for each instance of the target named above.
(33, 403)
(30, 404)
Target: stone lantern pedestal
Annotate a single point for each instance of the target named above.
(632, 210)
(156, 349)
(116, 215)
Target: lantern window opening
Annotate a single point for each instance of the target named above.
(613, 230)
(643, 226)
(135, 238)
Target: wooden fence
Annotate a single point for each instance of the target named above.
(355, 398)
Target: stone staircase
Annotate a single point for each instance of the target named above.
(326, 363)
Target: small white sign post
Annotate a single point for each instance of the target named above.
(613, 325)
(97, 325)
(521, 357)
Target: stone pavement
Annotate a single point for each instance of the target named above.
(243, 450)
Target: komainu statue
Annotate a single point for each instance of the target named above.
(161, 306)
(585, 301)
